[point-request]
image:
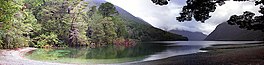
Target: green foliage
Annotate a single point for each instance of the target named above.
(120, 27)
(103, 29)
(26, 21)
(50, 40)
(61, 23)
(109, 29)
(144, 32)
(59, 16)
(107, 9)
(17, 24)
(7, 10)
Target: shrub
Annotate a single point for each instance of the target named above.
(50, 40)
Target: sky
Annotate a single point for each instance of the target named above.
(164, 17)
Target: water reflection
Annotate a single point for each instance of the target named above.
(107, 54)
(122, 54)
(174, 48)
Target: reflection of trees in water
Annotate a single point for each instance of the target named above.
(108, 52)
(112, 52)
(200, 9)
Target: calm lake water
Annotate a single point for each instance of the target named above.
(146, 51)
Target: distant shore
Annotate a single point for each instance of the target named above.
(222, 54)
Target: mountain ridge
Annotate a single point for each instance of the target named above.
(226, 32)
(144, 30)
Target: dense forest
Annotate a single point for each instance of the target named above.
(65, 23)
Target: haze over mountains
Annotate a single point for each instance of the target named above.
(192, 36)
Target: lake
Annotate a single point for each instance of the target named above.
(113, 54)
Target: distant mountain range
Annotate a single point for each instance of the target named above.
(225, 32)
(192, 36)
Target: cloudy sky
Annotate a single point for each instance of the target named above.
(164, 17)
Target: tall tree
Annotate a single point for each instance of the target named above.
(107, 9)
(17, 22)
(65, 18)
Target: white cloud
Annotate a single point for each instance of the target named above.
(224, 12)
(165, 16)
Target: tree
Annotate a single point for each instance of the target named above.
(160, 2)
(200, 9)
(107, 9)
(18, 23)
(102, 29)
(65, 18)
(60, 23)
(77, 37)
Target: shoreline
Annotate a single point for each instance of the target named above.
(220, 54)
(16, 57)
(237, 54)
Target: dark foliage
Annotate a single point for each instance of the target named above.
(247, 21)
(160, 2)
(107, 9)
(200, 10)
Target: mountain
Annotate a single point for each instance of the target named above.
(147, 31)
(225, 31)
(192, 36)
(123, 13)
(127, 16)
(140, 29)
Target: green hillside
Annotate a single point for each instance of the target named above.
(60, 23)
